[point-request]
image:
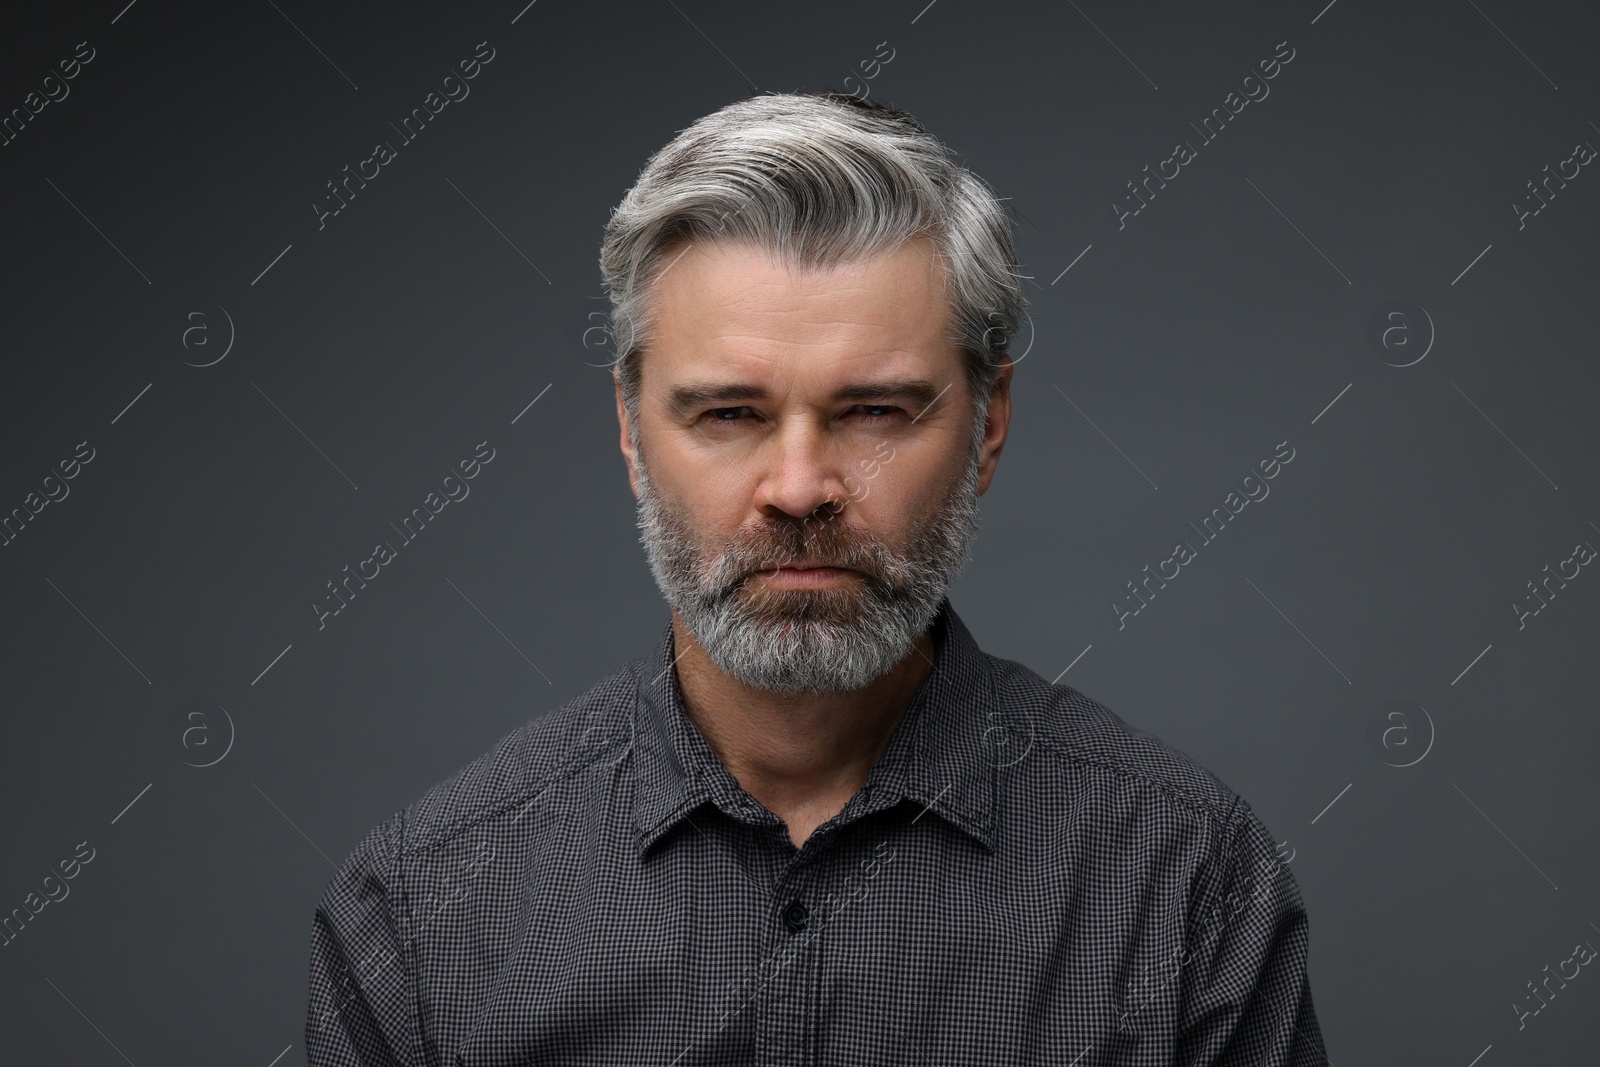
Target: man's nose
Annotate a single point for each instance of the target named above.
(803, 472)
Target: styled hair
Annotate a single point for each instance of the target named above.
(816, 180)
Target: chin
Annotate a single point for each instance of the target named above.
(802, 606)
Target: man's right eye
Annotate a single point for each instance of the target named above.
(726, 414)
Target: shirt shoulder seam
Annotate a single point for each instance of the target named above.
(1189, 801)
(528, 794)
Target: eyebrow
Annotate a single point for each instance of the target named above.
(919, 392)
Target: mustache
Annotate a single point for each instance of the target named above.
(787, 544)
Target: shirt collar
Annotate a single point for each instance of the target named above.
(944, 757)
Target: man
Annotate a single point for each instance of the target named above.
(817, 824)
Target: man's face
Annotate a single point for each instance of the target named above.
(812, 474)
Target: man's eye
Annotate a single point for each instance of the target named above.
(876, 412)
(870, 412)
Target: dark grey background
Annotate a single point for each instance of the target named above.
(171, 589)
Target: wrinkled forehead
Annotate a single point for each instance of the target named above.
(725, 309)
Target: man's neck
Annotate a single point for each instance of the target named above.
(802, 755)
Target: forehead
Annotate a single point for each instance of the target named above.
(723, 308)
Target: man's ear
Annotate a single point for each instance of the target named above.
(994, 435)
(627, 438)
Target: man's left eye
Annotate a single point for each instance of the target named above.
(877, 411)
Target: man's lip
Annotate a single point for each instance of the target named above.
(797, 568)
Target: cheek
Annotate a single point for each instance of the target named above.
(904, 488)
(714, 505)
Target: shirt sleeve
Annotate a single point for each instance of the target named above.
(1245, 995)
(359, 1011)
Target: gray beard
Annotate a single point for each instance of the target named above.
(809, 640)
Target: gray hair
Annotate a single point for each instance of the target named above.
(816, 179)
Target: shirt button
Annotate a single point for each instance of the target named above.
(794, 916)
